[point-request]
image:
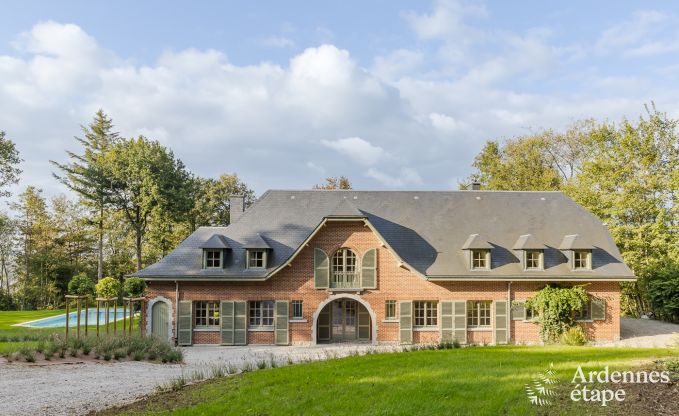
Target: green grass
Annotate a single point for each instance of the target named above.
(479, 381)
(9, 318)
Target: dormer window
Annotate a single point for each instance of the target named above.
(213, 259)
(582, 260)
(480, 259)
(534, 259)
(256, 259)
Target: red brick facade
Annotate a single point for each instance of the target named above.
(295, 282)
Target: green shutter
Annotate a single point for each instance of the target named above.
(321, 269)
(369, 270)
(240, 327)
(460, 321)
(405, 318)
(447, 325)
(598, 309)
(226, 322)
(184, 324)
(324, 324)
(282, 330)
(518, 311)
(500, 322)
(363, 323)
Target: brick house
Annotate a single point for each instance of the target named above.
(384, 266)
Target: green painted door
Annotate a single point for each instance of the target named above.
(160, 320)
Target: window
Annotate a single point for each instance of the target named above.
(531, 315)
(480, 259)
(426, 314)
(207, 313)
(261, 313)
(583, 314)
(390, 309)
(256, 259)
(582, 260)
(534, 260)
(213, 259)
(478, 313)
(344, 269)
(297, 309)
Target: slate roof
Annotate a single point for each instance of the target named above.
(574, 242)
(476, 241)
(216, 241)
(528, 242)
(426, 229)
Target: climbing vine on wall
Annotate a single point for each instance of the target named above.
(554, 307)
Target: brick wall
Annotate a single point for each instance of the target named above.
(394, 283)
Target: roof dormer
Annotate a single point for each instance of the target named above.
(478, 249)
(533, 252)
(257, 251)
(580, 252)
(214, 252)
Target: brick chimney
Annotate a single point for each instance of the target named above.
(236, 207)
(476, 186)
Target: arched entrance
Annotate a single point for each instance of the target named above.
(344, 318)
(158, 318)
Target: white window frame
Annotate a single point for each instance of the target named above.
(474, 309)
(541, 260)
(472, 254)
(588, 260)
(205, 258)
(430, 313)
(211, 312)
(249, 254)
(260, 308)
(295, 305)
(390, 306)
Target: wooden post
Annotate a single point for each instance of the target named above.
(124, 316)
(77, 330)
(87, 312)
(106, 319)
(97, 300)
(67, 301)
(115, 316)
(142, 314)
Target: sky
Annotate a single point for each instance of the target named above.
(392, 94)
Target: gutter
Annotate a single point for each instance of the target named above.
(176, 310)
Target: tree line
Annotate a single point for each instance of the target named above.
(625, 173)
(135, 201)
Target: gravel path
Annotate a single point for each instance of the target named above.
(79, 388)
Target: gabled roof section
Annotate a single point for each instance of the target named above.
(425, 230)
(345, 209)
(574, 242)
(528, 242)
(217, 242)
(476, 241)
(256, 242)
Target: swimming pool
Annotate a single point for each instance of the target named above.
(59, 321)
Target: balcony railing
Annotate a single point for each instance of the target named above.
(344, 280)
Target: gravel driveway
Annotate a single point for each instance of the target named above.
(78, 388)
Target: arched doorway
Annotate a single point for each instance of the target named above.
(160, 318)
(344, 319)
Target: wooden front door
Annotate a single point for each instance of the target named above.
(160, 320)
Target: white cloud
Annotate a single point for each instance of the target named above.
(406, 176)
(361, 151)
(397, 63)
(646, 33)
(447, 19)
(277, 42)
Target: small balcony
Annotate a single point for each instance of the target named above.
(344, 280)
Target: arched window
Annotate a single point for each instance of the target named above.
(344, 269)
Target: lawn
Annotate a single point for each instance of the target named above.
(480, 380)
(9, 318)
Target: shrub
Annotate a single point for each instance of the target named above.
(134, 286)
(663, 292)
(119, 354)
(28, 354)
(81, 285)
(554, 306)
(108, 287)
(574, 336)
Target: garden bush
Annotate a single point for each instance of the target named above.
(574, 336)
(134, 286)
(555, 306)
(81, 285)
(108, 287)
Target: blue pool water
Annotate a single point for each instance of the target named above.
(60, 320)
